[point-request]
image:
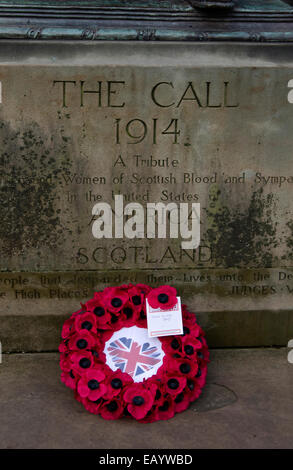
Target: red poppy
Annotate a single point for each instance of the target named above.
(184, 367)
(96, 301)
(166, 410)
(65, 362)
(105, 335)
(174, 384)
(163, 297)
(91, 385)
(141, 321)
(82, 361)
(70, 379)
(158, 391)
(181, 402)
(91, 406)
(136, 298)
(67, 328)
(82, 341)
(112, 409)
(87, 321)
(203, 340)
(139, 400)
(192, 389)
(125, 287)
(190, 346)
(116, 382)
(201, 375)
(152, 386)
(97, 307)
(202, 356)
(172, 345)
(187, 316)
(115, 299)
(63, 346)
(99, 358)
(129, 314)
(143, 288)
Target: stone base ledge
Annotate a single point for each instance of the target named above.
(36, 333)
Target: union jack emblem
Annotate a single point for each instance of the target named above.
(133, 358)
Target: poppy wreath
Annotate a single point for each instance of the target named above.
(116, 370)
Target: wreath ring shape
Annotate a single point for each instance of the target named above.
(116, 370)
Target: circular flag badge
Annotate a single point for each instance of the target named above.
(132, 351)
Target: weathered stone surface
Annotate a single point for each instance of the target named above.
(33, 332)
(81, 123)
(215, 396)
(38, 411)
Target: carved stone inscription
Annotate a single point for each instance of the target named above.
(73, 137)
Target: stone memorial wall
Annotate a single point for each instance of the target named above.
(153, 123)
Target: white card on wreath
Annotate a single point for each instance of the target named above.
(164, 322)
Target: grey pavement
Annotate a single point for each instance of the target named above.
(247, 403)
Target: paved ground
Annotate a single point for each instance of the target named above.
(248, 403)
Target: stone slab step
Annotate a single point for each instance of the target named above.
(247, 403)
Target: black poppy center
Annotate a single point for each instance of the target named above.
(185, 368)
(198, 373)
(164, 407)
(84, 363)
(126, 412)
(175, 344)
(128, 312)
(186, 331)
(142, 314)
(189, 349)
(200, 355)
(136, 299)
(71, 374)
(158, 395)
(112, 406)
(116, 383)
(86, 325)
(93, 384)
(190, 385)
(173, 384)
(163, 298)
(138, 401)
(99, 311)
(81, 344)
(116, 302)
(179, 398)
(114, 318)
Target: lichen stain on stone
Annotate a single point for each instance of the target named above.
(30, 163)
(289, 241)
(242, 237)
